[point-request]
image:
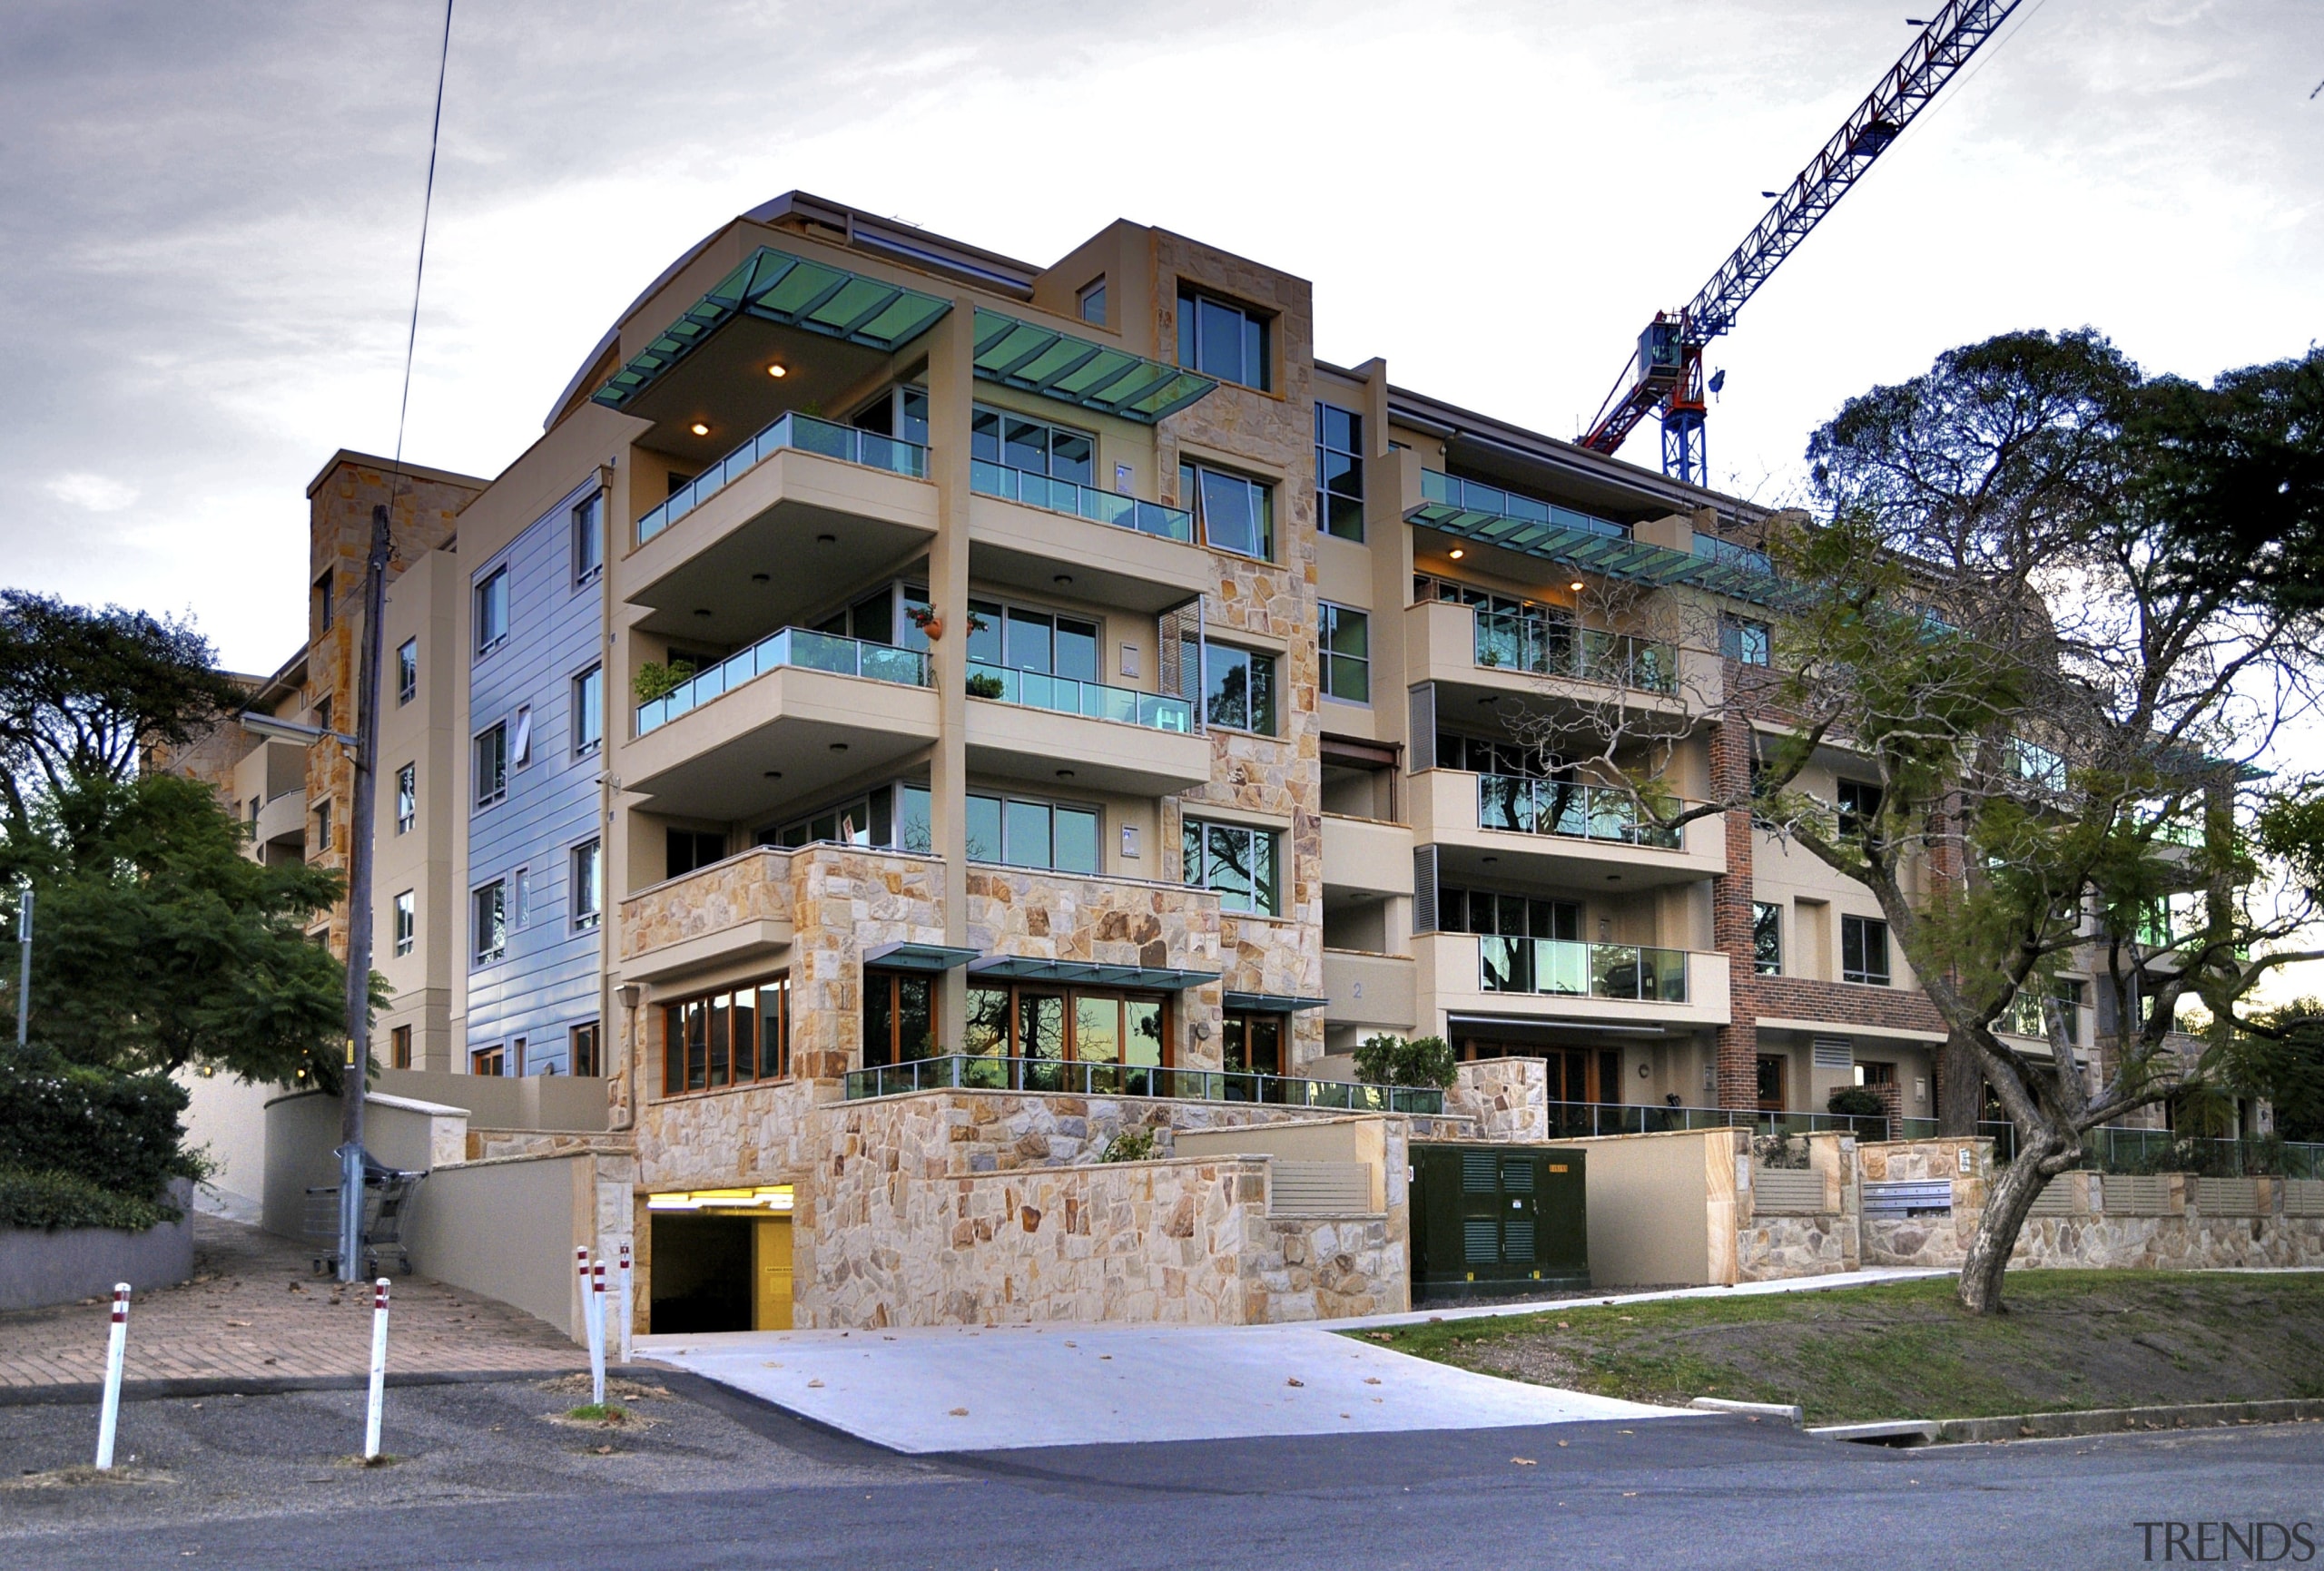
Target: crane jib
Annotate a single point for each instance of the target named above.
(1932, 60)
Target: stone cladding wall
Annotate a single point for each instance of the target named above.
(1503, 1098)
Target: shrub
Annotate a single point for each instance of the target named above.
(49, 1199)
(1132, 1144)
(1778, 1151)
(117, 1131)
(984, 684)
(1860, 1101)
(1426, 1060)
(655, 679)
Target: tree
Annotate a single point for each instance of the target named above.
(160, 945)
(82, 691)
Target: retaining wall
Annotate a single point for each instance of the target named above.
(43, 1266)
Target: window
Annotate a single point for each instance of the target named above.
(726, 1038)
(406, 670)
(521, 746)
(326, 596)
(1506, 916)
(589, 541)
(492, 765)
(588, 884)
(900, 412)
(1347, 639)
(1251, 1044)
(490, 923)
(1864, 951)
(585, 1049)
(400, 1046)
(1767, 939)
(1093, 301)
(690, 848)
(487, 1061)
(1017, 442)
(1339, 472)
(1026, 640)
(1237, 864)
(322, 828)
(406, 920)
(1222, 341)
(1239, 688)
(322, 714)
(1235, 513)
(899, 1016)
(2024, 1016)
(869, 819)
(1749, 642)
(1859, 807)
(1485, 755)
(520, 898)
(492, 611)
(1032, 834)
(406, 798)
(589, 711)
(1042, 1024)
(2037, 765)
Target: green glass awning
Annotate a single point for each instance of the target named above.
(1274, 1003)
(1083, 973)
(1575, 540)
(777, 287)
(919, 956)
(1057, 365)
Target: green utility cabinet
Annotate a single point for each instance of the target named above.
(1495, 1220)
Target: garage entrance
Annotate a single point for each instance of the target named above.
(718, 1269)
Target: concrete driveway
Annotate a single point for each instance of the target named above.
(960, 1388)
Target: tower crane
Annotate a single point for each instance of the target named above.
(1667, 373)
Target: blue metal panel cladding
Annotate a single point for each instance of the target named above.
(546, 981)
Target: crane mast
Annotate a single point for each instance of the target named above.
(1667, 373)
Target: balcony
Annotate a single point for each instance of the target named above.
(789, 646)
(1133, 555)
(1485, 656)
(809, 708)
(1492, 516)
(961, 1071)
(766, 530)
(1027, 723)
(1552, 980)
(1541, 646)
(1563, 834)
(729, 911)
(1368, 855)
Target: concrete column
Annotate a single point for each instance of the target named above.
(1730, 897)
(951, 394)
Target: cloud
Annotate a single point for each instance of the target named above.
(92, 493)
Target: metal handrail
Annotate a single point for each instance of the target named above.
(790, 646)
(1576, 1119)
(1162, 523)
(981, 1072)
(1474, 497)
(1548, 807)
(794, 430)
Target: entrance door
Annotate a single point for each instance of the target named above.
(1771, 1072)
(1251, 1044)
(772, 1275)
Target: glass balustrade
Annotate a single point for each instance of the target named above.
(794, 430)
(1546, 646)
(791, 646)
(1040, 689)
(1568, 969)
(1472, 497)
(1082, 501)
(967, 1072)
(1548, 807)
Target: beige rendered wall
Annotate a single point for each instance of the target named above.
(507, 1229)
(1662, 1208)
(303, 1133)
(225, 1119)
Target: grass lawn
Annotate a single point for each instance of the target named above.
(2073, 1339)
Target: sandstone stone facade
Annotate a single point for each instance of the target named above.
(1502, 1098)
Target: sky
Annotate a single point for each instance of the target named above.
(209, 214)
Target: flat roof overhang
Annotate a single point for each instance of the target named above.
(1083, 973)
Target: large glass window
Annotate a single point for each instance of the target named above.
(589, 540)
(900, 412)
(1235, 513)
(492, 764)
(1029, 640)
(1236, 863)
(1032, 834)
(490, 925)
(1859, 806)
(1049, 1025)
(1767, 939)
(731, 1037)
(1339, 472)
(1239, 688)
(1345, 636)
(1018, 442)
(1222, 341)
(406, 798)
(899, 1016)
(686, 850)
(492, 611)
(588, 875)
(1484, 911)
(1864, 951)
(1749, 642)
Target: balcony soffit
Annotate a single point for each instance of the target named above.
(1612, 558)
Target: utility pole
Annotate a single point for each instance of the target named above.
(24, 967)
(359, 905)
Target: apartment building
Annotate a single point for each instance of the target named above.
(897, 666)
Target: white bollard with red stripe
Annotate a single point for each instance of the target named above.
(379, 1368)
(628, 1298)
(116, 1342)
(597, 1333)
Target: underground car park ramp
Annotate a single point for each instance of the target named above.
(979, 1388)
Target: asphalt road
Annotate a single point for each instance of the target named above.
(721, 1482)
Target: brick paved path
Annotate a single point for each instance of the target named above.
(253, 1310)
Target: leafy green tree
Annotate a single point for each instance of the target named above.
(159, 944)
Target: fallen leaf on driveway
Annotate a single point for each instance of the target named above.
(1523, 1462)
(1629, 1494)
(1372, 1380)
(1295, 1380)
(1565, 1442)
(245, 1324)
(812, 1383)
(958, 1413)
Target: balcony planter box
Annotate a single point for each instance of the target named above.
(43, 1266)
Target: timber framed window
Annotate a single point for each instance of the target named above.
(899, 1016)
(1043, 1024)
(1864, 951)
(712, 1041)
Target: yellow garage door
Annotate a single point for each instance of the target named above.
(772, 1308)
